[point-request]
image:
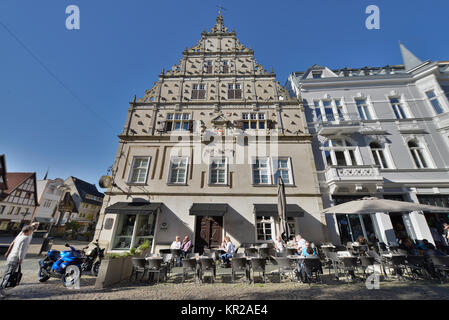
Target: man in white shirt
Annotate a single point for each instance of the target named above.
(279, 245)
(16, 254)
(176, 244)
(301, 243)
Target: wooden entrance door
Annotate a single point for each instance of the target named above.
(209, 232)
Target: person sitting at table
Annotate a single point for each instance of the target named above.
(186, 247)
(361, 240)
(300, 242)
(176, 244)
(279, 245)
(406, 246)
(229, 250)
(308, 250)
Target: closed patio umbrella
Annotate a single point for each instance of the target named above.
(373, 205)
(282, 209)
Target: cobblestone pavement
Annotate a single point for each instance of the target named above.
(30, 288)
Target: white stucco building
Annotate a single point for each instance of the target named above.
(49, 195)
(380, 132)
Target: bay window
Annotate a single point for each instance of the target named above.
(339, 152)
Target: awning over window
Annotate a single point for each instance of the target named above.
(271, 210)
(208, 209)
(132, 208)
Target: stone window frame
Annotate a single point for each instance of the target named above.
(170, 172)
(345, 148)
(226, 166)
(269, 173)
(132, 169)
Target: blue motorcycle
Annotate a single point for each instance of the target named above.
(65, 265)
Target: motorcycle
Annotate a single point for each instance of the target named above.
(65, 265)
(92, 260)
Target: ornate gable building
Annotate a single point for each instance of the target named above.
(201, 153)
(18, 202)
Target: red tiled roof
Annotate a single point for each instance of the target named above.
(15, 179)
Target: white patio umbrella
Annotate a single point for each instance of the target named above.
(373, 205)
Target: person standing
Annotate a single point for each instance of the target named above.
(16, 255)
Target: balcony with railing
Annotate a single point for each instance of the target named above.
(356, 178)
(345, 123)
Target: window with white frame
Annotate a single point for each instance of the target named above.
(433, 99)
(178, 170)
(398, 109)
(339, 109)
(339, 152)
(254, 120)
(178, 122)
(218, 171)
(282, 168)
(363, 109)
(198, 91)
(139, 170)
(264, 228)
(261, 171)
(378, 155)
(418, 154)
(328, 110)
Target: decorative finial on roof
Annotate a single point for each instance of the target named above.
(219, 27)
(409, 59)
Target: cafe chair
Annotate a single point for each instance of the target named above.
(240, 265)
(207, 265)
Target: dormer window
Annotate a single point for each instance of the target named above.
(317, 74)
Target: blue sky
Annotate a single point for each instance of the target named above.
(123, 45)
